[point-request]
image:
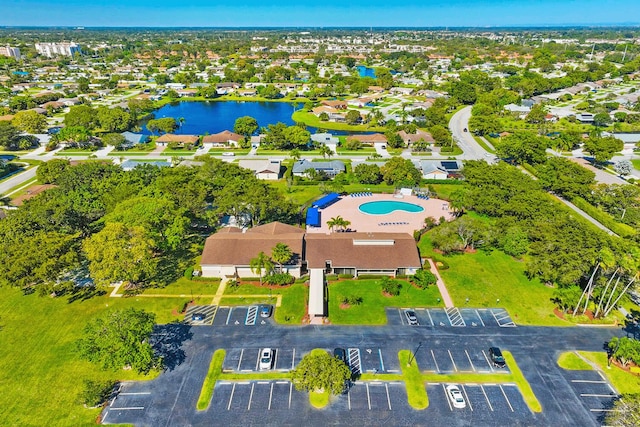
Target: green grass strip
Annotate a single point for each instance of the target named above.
(319, 400)
(624, 382)
(414, 382)
(525, 388)
(215, 370)
(573, 362)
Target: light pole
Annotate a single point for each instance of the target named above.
(413, 355)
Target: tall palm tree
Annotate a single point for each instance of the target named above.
(338, 222)
(326, 151)
(281, 254)
(261, 263)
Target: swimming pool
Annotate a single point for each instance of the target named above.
(385, 207)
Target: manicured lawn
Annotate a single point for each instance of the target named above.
(41, 375)
(572, 362)
(636, 163)
(624, 382)
(215, 369)
(416, 392)
(186, 287)
(294, 300)
(310, 119)
(371, 311)
(494, 279)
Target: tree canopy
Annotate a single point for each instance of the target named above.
(319, 370)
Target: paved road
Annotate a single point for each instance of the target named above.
(171, 398)
(16, 180)
(472, 150)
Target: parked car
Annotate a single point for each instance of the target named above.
(340, 354)
(266, 310)
(198, 317)
(496, 357)
(455, 396)
(266, 359)
(411, 317)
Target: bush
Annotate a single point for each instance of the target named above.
(188, 273)
(351, 300)
(391, 287)
(345, 276)
(279, 279)
(424, 278)
(331, 277)
(369, 276)
(622, 230)
(96, 393)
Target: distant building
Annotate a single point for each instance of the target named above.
(51, 50)
(11, 52)
(332, 168)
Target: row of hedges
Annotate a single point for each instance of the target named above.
(622, 230)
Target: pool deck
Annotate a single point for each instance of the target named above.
(395, 222)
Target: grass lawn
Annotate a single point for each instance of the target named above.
(41, 375)
(622, 381)
(371, 311)
(572, 362)
(186, 287)
(294, 300)
(636, 163)
(215, 369)
(483, 144)
(486, 277)
(310, 119)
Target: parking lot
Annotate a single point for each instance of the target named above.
(595, 393)
(240, 316)
(453, 317)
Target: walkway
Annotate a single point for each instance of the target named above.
(448, 302)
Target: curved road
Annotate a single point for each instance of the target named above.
(16, 180)
(472, 150)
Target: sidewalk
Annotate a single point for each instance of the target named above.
(448, 302)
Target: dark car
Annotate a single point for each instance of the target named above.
(265, 310)
(197, 317)
(496, 357)
(411, 317)
(340, 354)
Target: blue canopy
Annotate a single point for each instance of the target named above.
(326, 200)
(313, 217)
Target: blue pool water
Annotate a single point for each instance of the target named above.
(385, 207)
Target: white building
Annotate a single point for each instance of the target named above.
(58, 49)
(11, 52)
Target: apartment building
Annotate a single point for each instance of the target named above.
(11, 52)
(51, 50)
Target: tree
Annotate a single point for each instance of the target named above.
(602, 119)
(623, 167)
(484, 125)
(424, 278)
(30, 121)
(261, 264)
(464, 233)
(295, 136)
(118, 141)
(523, 148)
(81, 115)
(440, 135)
(325, 151)
(245, 126)
(281, 254)
(114, 119)
(319, 371)
(8, 134)
(49, 172)
(353, 117)
(95, 393)
(603, 148)
(625, 412)
(537, 114)
(565, 177)
(120, 339)
(338, 222)
(121, 253)
(625, 350)
(400, 172)
(368, 173)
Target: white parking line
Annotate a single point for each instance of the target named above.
(290, 391)
(400, 312)
(487, 359)
(349, 399)
(588, 381)
(597, 395)
(447, 397)
(233, 389)
(486, 397)
(368, 397)
(240, 360)
(270, 395)
(506, 398)
(480, 317)
(455, 368)
(470, 362)
(386, 386)
(229, 315)
(467, 396)
(275, 360)
(258, 360)
(430, 319)
(381, 360)
(434, 361)
(251, 396)
(604, 410)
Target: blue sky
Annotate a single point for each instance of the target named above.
(317, 13)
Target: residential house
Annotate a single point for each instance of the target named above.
(263, 169)
(222, 139)
(340, 105)
(180, 139)
(410, 138)
(376, 138)
(129, 165)
(440, 169)
(229, 252)
(331, 168)
(585, 117)
(132, 139)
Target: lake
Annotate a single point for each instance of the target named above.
(366, 71)
(202, 117)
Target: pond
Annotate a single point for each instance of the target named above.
(366, 71)
(202, 117)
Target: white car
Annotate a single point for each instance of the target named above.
(455, 396)
(266, 359)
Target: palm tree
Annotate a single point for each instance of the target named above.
(260, 263)
(281, 254)
(295, 154)
(338, 222)
(181, 121)
(326, 151)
